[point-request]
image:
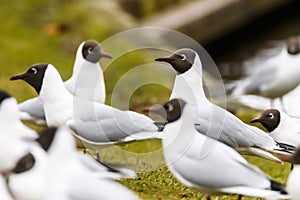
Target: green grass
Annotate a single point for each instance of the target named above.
(26, 39)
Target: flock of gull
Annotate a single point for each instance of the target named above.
(202, 142)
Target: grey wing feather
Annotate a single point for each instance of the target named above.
(105, 123)
(233, 132)
(33, 107)
(254, 83)
(214, 163)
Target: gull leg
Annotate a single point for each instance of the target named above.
(98, 155)
(208, 197)
(84, 151)
(240, 197)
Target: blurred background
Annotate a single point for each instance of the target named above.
(50, 31)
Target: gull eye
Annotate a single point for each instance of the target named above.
(90, 50)
(271, 115)
(33, 70)
(170, 107)
(183, 57)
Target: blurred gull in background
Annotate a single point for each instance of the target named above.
(275, 77)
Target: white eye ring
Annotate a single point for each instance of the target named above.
(34, 70)
(90, 50)
(183, 57)
(271, 115)
(170, 108)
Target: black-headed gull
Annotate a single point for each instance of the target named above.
(76, 180)
(46, 137)
(206, 164)
(214, 121)
(27, 179)
(60, 174)
(95, 123)
(276, 76)
(282, 127)
(87, 81)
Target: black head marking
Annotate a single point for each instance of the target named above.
(174, 109)
(91, 51)
(4, 95)
(24, 164)
(34, 76)
(171, 110)
(270, 119)
(293, 45)
(46, 137)
(181, 60)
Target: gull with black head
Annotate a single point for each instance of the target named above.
(214, 121)
(60, 174)
(282, 127)
(96, 124)
(276, 76)
(198, 161)
(86, 82)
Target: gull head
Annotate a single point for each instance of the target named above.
(171, 110)
(270, 119)
(92, 52)
(33, 76)
(181, 60)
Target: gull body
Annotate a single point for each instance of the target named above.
(60, 173)
(92, 121)
(100, 169)
(277, 76)
(215, 122)
(86, 82)
(198, 161)
(75, 180)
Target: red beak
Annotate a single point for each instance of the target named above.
(164, 59)
(254, 120)
(146, 110)
(286, 158)
(17, 77)
(106, 55)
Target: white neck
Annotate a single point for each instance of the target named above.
(87, 80)
(53, 88)
(56, 99)
(180, 134)
(78, 60)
